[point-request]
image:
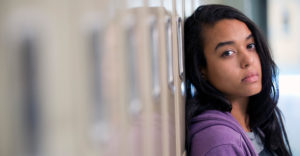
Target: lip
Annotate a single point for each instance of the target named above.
(250, 77)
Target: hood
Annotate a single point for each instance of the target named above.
(212, 118)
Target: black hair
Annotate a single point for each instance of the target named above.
(262, 108)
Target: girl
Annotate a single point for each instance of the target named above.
(234, 108)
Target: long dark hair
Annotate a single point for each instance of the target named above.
(262, 108)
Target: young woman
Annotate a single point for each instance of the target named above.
(234, 108)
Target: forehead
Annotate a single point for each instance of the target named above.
(225, 30)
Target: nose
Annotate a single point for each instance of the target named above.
(246, 59)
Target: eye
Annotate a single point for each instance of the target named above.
(227, 53)
(251, 46)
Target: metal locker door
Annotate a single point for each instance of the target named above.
(135, 107)
(167, 80)
(94, 20)
(178, 78)
(119, 91)
(145, 75)
(155, 44)
(181, 87)
(169, 107)
(65, 78)
(20, 42)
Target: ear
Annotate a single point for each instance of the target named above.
(203, 73)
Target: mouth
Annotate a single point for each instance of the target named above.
(250, 78)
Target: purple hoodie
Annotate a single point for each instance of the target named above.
(218, 134)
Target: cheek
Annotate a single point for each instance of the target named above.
(218, 73)
(257, 63)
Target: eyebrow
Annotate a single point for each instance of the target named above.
(220, 44)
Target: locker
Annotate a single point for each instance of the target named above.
(93, 77)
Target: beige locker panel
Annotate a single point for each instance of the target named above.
(20, 42)
(180, 88)
(167, 93)
(11, 96)
(178, 78)
(135, 105)
(136, 108)
(49, 109)
(97, 124)
(145, 75)
(109, 83)
(91, 78)
(154, 44)
(164, 110)
(94, 25)
(143, 91)
(65, 78)
(120, 82)
(171, 85)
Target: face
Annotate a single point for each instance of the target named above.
(233, 65)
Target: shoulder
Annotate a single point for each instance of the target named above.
(225, 150)
(216, 133)
(216, 139)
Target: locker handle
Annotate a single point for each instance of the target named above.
(169, 53)
(154, 56)
(180, 48)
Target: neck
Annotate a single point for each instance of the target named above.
(239, 112)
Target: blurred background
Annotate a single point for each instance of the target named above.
(106, 77)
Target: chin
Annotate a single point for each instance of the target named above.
(254, 91)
